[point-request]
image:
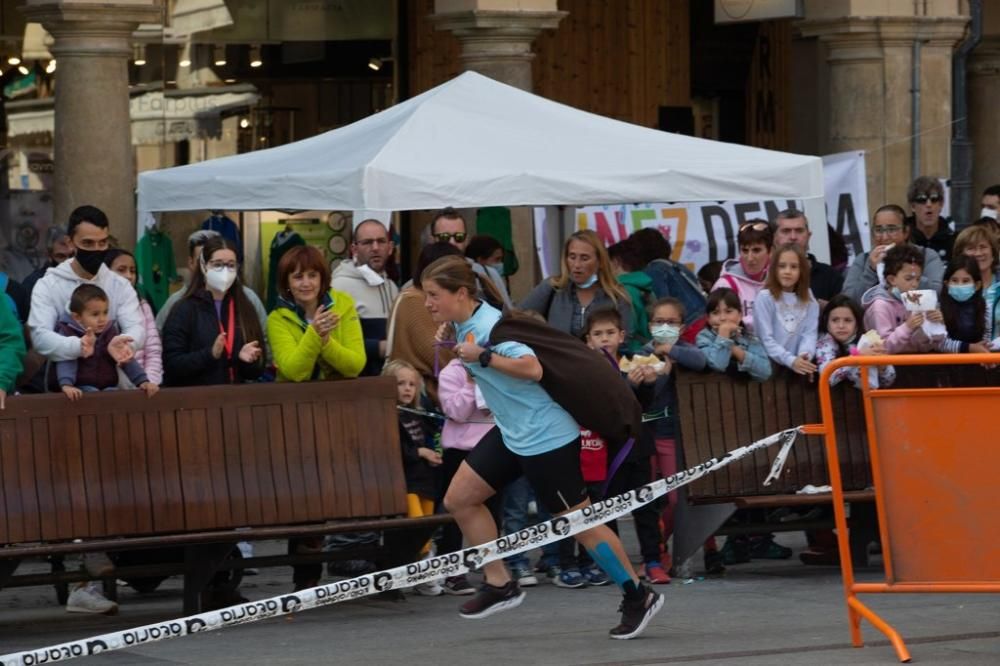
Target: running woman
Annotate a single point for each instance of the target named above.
(534, 437)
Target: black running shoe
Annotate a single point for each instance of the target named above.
(490, 600)
(637, 614)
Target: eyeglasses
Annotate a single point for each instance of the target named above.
(756, 226)
(886, 231)
(445, 236)
(216, 265)
(924, 198)
(368, 242)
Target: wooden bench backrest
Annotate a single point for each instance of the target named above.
(193, 459)
(717, 413)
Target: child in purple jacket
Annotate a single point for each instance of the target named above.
(96, 369)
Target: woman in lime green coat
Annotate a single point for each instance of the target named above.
(313, 333)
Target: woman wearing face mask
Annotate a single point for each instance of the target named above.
(212, 335)
(486, 251)
(587, 282)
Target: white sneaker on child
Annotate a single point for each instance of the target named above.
(86, 599)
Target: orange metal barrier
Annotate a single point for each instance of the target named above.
(934, 468)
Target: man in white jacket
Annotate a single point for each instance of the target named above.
(364, 279)
(88, 231)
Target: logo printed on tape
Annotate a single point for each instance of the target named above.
(290, 602)
(560, 525)
(383, 581)
(472, 557)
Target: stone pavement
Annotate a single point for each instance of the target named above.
(760, 613)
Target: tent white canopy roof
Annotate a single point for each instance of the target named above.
(475, 142)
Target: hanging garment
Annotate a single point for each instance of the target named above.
(154, 259)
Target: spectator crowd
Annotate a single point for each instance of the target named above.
(81, 324)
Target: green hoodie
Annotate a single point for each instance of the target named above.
(640, 290)
(11, 348)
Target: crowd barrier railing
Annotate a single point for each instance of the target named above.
(934, 473)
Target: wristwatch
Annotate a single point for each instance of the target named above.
(485, 358)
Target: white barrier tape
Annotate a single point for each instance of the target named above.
(408, 575)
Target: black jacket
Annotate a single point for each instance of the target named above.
(824, 280)
(420, 476)
(941, 242)
(188, 336)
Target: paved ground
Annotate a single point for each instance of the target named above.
(759, 613)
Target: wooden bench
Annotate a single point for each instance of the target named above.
(717, 413)
(202, 469)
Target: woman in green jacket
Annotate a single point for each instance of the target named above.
(314, 333)
(11, 351)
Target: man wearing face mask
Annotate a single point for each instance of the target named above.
(88, 232)
(990, 202)
(365, 280)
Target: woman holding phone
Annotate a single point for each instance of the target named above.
(314, 332)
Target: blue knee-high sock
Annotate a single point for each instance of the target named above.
(605, 558)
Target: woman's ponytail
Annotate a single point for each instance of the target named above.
(489, 292)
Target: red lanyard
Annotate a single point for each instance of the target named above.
(230, 339)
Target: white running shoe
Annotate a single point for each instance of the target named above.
(86, 599)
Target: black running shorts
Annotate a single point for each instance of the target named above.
(555, 476)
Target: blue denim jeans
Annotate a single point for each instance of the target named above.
(517, 496)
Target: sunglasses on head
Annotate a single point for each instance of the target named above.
(924, 198)
(445, 236)
(756, 226)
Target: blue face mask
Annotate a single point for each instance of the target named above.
(665, 333)
(589, 282)
(961, 292)
(498, 268)
(897, 293)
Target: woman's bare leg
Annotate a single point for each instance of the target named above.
(466, 501)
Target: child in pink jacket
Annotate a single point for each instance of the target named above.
(466, 423)
(901, 332)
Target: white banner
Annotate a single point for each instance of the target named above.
(844, 183)
(704, 232)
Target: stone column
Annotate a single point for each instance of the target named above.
(93, 144)
(869, 100)
(496, 38)
(984, 104)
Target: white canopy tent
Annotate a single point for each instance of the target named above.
(475, 142)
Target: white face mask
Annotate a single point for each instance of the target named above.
(988, 212)
(219, 279)
(665, 333)
(372, 278)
